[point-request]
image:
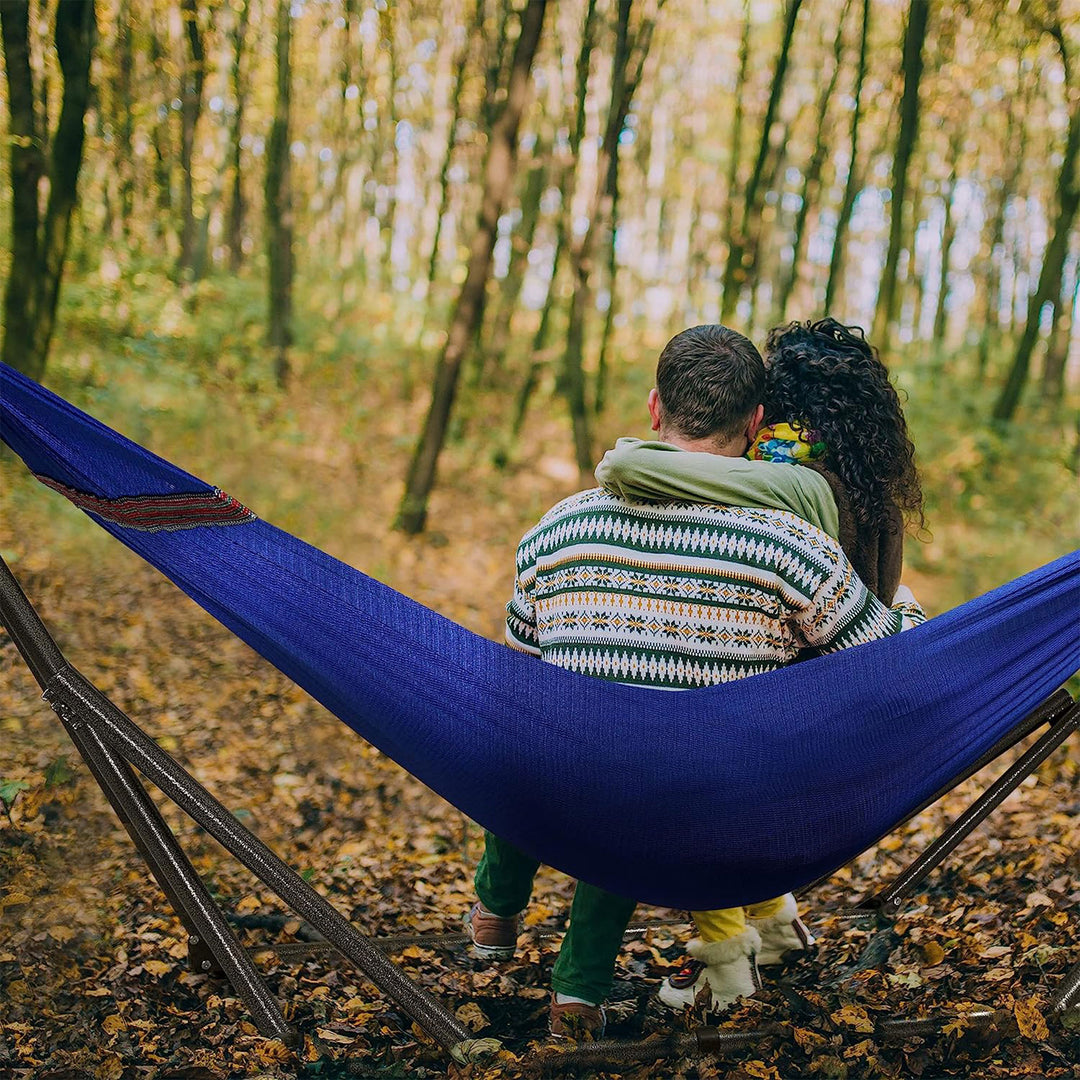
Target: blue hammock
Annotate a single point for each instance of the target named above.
(705, 798)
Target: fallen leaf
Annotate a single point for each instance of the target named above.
(854, 1017)
(114, 1024)
(472, 1016)
(335, 1037)
(933, 953)
(1030, 1021)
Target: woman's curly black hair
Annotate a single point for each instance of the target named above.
(828, 378)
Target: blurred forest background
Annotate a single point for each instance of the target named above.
(373, 237)
(396, 272)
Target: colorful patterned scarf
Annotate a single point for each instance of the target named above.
(786, 443)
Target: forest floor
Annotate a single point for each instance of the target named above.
(93, 974)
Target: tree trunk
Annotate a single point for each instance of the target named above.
(234, 228)
(912, 279)
(162, 150)
(1015, 153)
(495, 56)
(756, 235)
(388, 29)
(567, 160)
(279, 225)
(193, 78)
(125, 156)
(1057, 352)
(888, 294)
(735, 270)
(624, 84)
(948, 235)
(468, 312)
(448, 155)
(612, 270)
(39, 245)
(27, 168)
(353, 95)
(731, 224)
(572, 376)
(1049, 287)
(521, 244)
(812, 177)
(851, 184)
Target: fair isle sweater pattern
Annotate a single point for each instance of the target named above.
(678, 595)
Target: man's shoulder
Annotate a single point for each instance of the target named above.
(580, 502)
(576, 505)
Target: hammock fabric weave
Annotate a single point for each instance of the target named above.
(704, 798)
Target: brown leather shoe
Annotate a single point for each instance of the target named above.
(494, 937)
(576, 1020)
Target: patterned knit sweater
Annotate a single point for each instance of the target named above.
(677, 595)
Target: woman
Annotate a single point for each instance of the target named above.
(829, 407)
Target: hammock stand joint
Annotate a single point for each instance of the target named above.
(113, 747)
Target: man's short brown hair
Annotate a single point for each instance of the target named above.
(710, 379)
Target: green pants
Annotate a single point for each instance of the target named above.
(586, 964)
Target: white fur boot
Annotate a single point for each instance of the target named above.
(727, 968)
(781, 933)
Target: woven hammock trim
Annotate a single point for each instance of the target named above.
(159, 513)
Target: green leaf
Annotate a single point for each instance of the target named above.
(9, 790)
(58, 773)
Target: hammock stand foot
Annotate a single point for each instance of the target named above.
(201, 958)
(112, 746)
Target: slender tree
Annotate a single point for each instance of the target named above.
(388, 26)
(741, 242)
(125, 156)
(888, 294)
(496, 54)
(851, 183)
(1052, 389)
(612, 195)
(234, 229)
(1014, 144)
(566, 157)
(811, 187)
(279, 223)
(39, 242)
(628, 64)
(160, 136)
(461, 66)
(468, 311)
(731, 223)
(521, 244)
(948, 233)
(193, 78)
(1048, 291)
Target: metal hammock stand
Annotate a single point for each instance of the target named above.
(113, 747)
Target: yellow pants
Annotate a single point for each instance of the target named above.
(723, 923)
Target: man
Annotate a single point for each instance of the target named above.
(672, 595)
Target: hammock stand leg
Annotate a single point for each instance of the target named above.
(111, 744)
(1068, 993)
(179, 880)
(120, 785)
(889, 900)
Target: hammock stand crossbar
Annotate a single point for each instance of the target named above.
(113, 747)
